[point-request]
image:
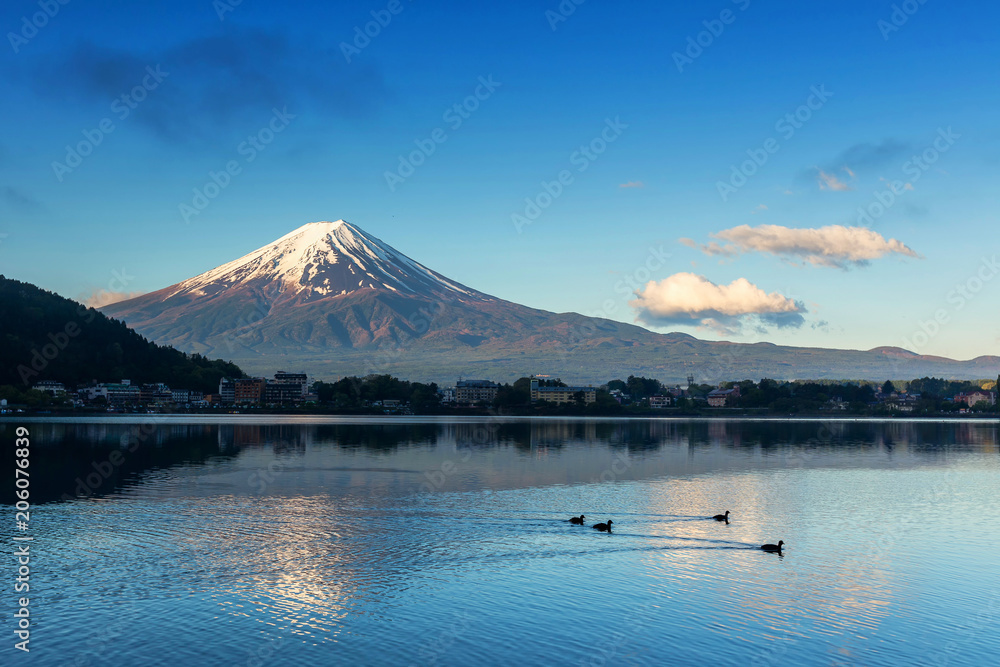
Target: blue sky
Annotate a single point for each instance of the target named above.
(674, 128)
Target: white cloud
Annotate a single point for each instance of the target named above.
(633, 184)
(100, 298)
(828, 181)
(687, 298)
(833, 245)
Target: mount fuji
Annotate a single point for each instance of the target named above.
(323, 259)
(334, 300)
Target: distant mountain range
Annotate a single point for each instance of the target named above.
(333, 300)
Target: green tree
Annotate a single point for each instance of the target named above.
(88, 346)
(518, 394)
(424, 397)
(641, 387)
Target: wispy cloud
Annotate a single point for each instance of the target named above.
(214, 81)
(871, 155)
(829, 181)
(100, 298)
(633, 184)
(833, 245)
(861, 158)
(690, 299)
(19, 199)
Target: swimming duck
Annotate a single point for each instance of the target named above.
(722, 517)
(604, 527)
(577, 519)
(773, 547)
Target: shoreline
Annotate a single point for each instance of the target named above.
(285, 418)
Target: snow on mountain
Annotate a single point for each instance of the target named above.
(321, 259)
(336, 300)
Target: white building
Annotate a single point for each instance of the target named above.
(660, 402)
(52, 387)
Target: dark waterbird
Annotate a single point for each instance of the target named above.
(604, 527)
(773, 547)
(722, 517)
(577, 519)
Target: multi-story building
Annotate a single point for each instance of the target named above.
(978, 396)
(180, 396)
(561, 394)
(720, 398)
(93, 392)
(286, 388)
(249, 391)
(470, 392)
(660, 402)
(155, 393)
(123, 393)
(50, 386)
(300, 381)
(227, 391)
(277, 393)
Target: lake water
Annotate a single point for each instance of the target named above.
(284, 541)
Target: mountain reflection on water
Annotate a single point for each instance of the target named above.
(104, 456)
(287, 541)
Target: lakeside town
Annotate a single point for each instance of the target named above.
(384, 394)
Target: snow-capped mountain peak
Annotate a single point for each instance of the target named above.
(325, 259)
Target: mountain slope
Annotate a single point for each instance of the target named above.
(331, 298)
(48, 337)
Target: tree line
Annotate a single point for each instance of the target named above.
(49, 337)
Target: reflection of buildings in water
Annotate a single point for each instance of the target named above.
(636, 435)
(375, 436)
(155, 431)
(990, 439)
(555, 434)
(895, 437)
(99, 459)
(982, 435)
(282, 437)
(558, 434)
(725, 433)
(932, 435)
(472, 434)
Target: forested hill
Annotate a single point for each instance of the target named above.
(48, 337)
